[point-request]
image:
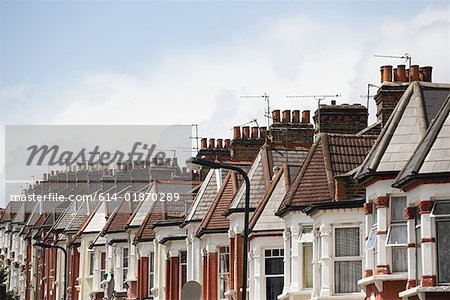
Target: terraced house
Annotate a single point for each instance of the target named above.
(339, 209)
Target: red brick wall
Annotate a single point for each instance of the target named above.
(212, 277)
(204, 276)
(390, 290)
(173, 281)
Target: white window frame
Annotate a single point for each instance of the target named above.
(305, 239)
(124, 269)
(221, 273)
(345, 258)
(181, 265)
(92, 259)
(394, 223)
(151, 272)
(280, 255)
(439, 218)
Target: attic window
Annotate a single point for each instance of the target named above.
(441, 209)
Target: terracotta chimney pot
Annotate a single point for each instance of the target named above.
(401, 74)
(276, 116)
(386, 73)
(203, 143)
(227, 143)
(245, 132)
(212, 143)
(219, 143)
(306, 117)
(236, 132)
(254, 132)
(286, 116)
(414, 73)
(296, 116)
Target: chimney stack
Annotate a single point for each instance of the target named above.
(245, 132)
(212, 143)
(386, 73)
(219, 143)
(203, 142)
(286, 116)
(425, 73)
(306, 117)
(296, 116)
(414, 73)
(276, 116)
(236, 132)
(254, 132)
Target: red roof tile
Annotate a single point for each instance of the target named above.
(331, 155)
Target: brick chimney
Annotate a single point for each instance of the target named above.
(394, 83)
(213, 150)
(340, 118)
(246, 147)
(291, 133)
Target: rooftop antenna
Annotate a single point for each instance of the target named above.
(318, 98)
(265, 97)
(368, 96)
(195, 137)
(405, 56)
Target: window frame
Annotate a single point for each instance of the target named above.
(124, 269)
(220, 272)
(182, 265)
(438, 219)
(393, 223)
(345, 258)
(151, 272)
(272, 256)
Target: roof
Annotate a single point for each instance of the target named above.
(215, 221)
(406, 126)
(146, 232)
(264, 216)
(261, 173)
(431, 156)
(330, 156)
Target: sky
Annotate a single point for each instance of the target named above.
(181, 62)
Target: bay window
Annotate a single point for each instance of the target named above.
(418, 235)
(102, 266)
(224, 271)
(274, 275)
(441, 211)
(183, 268)
(151, 271)
(397, 235)
(347, 260)
(91, 263)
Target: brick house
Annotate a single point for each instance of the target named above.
(386, 262)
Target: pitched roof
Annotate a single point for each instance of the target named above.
(431, 156)
(215, 221)
(406, 126)
(261, 173)
(264, 216)
(146, 232)
(330, 156)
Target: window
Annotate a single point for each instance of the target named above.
(307, 266)
(397, 235)
(372, 240)
(418, 247)
(306, 238)
(151, 272)
(91, 263)
(274, 268)
(442, 213)
(224, 271)
(125, 260)
(183, 268)
(102, 266)
(348, 263)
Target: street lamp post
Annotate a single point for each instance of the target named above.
(44, 245)
(218, 165)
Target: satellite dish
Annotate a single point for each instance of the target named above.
(192, 290)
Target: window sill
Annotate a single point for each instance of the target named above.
(378, 279)
(419, 290)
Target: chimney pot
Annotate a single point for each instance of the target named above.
(286, 116)
(212, 143)
(174, 162)
(426, 73)
(394, 71)
(414, 73)
(296, 116)
(245, 132)
(227, 143)
(263, 132)
(236, 132)
(276, 116)
(306, 117)
(219, 143)
(203, 143)
(386, 73)
(401, 74)
(254, 132)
